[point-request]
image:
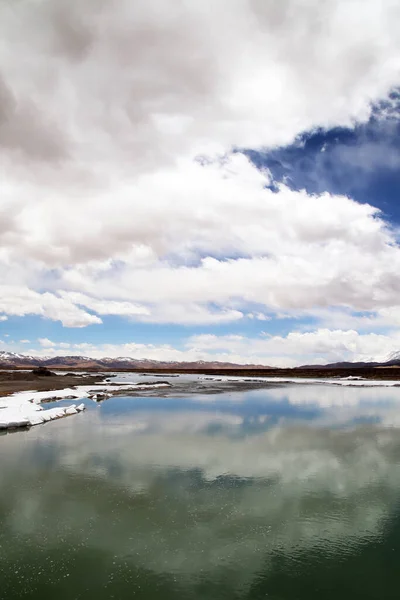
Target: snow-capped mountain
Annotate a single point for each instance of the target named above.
(393, 358)
(14, 358)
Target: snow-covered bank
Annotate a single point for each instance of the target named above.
(80, 391)
(27, 414)
(24, 409)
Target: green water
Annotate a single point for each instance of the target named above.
(288, 494)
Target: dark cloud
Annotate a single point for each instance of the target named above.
(25, 129)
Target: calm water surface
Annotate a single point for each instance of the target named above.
(287, 493)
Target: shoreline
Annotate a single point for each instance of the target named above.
(20, 380)
(377, 373)
(13, 382)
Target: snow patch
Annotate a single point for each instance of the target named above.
(28, 414)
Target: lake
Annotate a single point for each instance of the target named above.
(285, 493)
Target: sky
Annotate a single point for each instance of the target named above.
(200, 180)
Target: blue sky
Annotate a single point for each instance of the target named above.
(362, 162)
(195, 184)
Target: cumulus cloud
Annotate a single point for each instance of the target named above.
(21, 301)
(120, 192)
(46, 343)
(322, 346)
(104, 307)
(185, 313)
(296, 348)
(173, 263)
(147, 82)
(293, 251)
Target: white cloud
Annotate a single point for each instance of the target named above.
(106, 307)
(185, 313)
(258, 316)
(46, 343)
(296, 348)
(3, 318)
(148, 82)
(322, 346)
(105, 209)
(382, 319)
(295, 252)
(21, 301)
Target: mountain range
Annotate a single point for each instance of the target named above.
(15, 360)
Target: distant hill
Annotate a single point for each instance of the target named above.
(392, 361)
(345, 365)
(14, 360)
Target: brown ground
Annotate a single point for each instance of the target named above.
(17, 381)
